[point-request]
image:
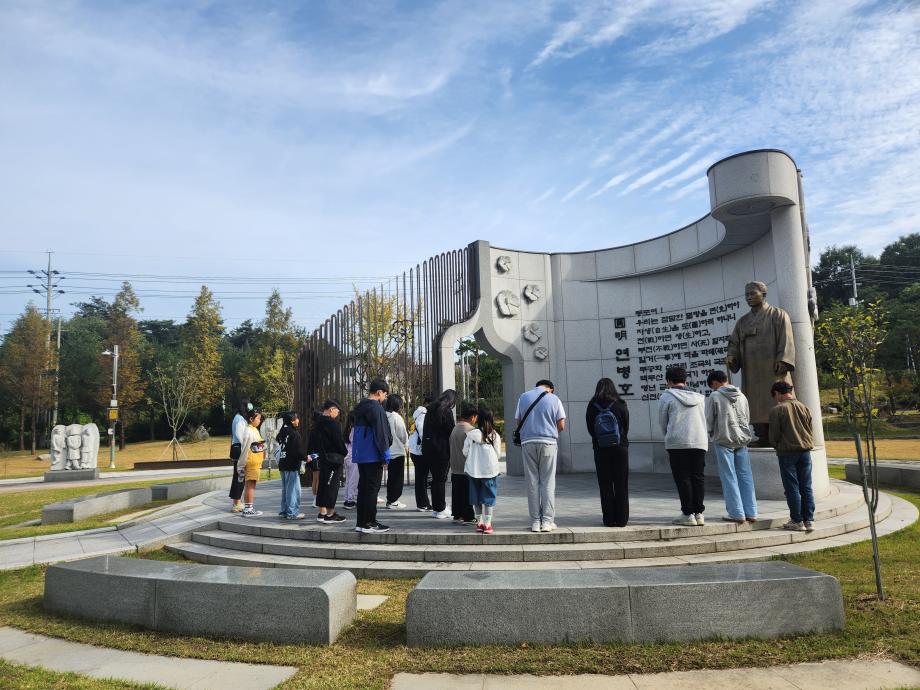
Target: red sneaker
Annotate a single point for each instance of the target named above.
(487, 529)
(480, 527)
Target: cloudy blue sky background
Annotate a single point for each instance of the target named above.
(336, 141)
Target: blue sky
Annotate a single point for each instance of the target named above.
(312, 145)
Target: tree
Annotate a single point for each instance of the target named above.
(81, 368)
(831, 277)
(201, 340)
(123, 331)
(850, 338)
(267, 371)
(175, 385)
(25, 366)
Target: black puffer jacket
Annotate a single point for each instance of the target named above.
(436, 433)
(326, 439)
(292, 449)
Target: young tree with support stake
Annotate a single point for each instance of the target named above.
(850, 338)
(176, 387)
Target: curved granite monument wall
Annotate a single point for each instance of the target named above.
(629, 312)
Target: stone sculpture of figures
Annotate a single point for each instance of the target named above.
(89, 449)
(74, 440)
(58, 447)
(763, 348)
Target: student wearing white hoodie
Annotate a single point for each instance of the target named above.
(683, 422)
(729, 422)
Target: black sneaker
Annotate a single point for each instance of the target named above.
(376, 528)
(349, 505)
(335, 517)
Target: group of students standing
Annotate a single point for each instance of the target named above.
(468, 448)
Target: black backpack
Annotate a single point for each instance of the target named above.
(606, 427)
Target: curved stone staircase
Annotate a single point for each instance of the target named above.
(414, 547)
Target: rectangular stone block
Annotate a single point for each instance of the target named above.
(507, 607)
(84, 507)
(738, 600)
(71, 475)
(277, 604)
(178, 490)
(107, 588)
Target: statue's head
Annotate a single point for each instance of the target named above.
(755, 293)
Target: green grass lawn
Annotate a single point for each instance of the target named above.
(30, 678)
(22, 506)
(373, 648)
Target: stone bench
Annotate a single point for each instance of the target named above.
(673, 603)
(288, 605)
(83, 507)
(898, 476)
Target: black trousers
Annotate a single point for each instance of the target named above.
(687, 469)
(612, 465)
(236, 486)
(370, 474)
(422, 470)
(396, 478)
(440, 467)
(330, 477)
(460, 497)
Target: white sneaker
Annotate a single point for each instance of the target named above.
(685, 520)
(700, 520)
(547, 526)
(809, 526)
(396, 505)
(441, 514)
(793, 526)
(249, 512)
(535, 526)
(381, 501)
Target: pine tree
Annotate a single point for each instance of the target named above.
(201, 340)
(122, 331)
(25, 364)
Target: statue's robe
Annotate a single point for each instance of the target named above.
(759, 340)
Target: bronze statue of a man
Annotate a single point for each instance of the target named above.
(763, 348)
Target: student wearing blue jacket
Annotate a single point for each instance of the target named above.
(370, 451)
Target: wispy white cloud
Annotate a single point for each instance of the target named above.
(575, 191)
(545, 195)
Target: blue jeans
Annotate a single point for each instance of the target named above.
(290, 493)
(737, 482)
(795, 471)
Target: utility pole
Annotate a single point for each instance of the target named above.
(853, 300)
(50, 286)
(113, 404)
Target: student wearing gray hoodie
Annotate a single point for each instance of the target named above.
(683, 423)
(729, 422)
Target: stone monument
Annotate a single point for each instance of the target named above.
(762, 347)
(74, 453)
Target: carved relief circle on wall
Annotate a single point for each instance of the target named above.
(503, 264)
(532, 332)
(508, 304)
(541, 353)
(532, 292)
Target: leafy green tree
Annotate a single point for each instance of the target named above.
(831, 276)
(267, 371)
(81, 370)
(849, 339)
(201, 339)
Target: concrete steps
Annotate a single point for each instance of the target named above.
(412, 554)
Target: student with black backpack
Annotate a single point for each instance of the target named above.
(607, 419)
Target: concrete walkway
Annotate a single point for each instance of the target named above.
(108, 478)
(830, 675)
(171, 523)
(20, 647)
